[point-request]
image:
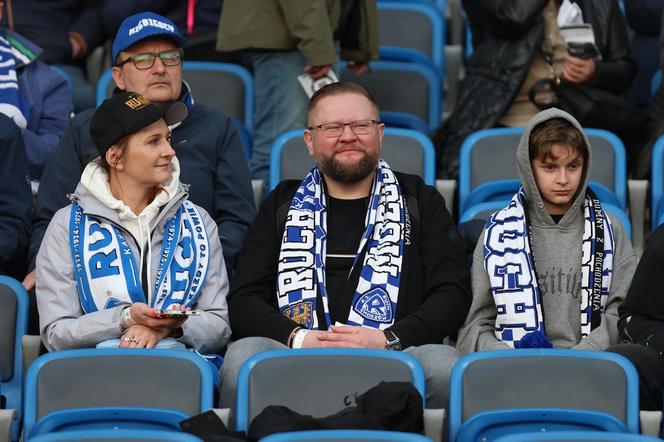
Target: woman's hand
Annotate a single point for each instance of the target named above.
(142, 336)
(150, 317)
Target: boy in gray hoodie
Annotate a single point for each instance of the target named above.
(551, 268)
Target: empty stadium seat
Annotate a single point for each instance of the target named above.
(412, 31)
(576, 436)
(411, 89)
(404, 150)
(657, 184)
(346, 436)
(502, 392)
(91, 435)
(115, 388)
(317, 381)
(13, 325)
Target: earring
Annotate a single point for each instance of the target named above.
(119, 166)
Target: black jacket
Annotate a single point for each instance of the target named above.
(211, 159)
(507, 35)
(15, 200)
(642, 313)
(434, 297)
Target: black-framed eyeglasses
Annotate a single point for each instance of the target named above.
(146, 60)
(334, 130)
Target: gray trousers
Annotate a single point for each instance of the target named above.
(436, 359)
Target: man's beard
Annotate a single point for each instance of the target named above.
(348, 173)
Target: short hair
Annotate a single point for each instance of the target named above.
(556, 131)
(339, 88)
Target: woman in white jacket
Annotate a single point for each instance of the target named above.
(131, 255)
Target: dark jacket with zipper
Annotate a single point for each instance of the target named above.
(212, 162)
(434, 294)
(507, 34)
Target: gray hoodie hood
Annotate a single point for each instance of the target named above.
(536, 209)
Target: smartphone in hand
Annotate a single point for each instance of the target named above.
(179, 313)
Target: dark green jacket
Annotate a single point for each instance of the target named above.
(307, 26)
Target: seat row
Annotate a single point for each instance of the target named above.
(492, 394)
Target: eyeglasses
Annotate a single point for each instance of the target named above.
(334, 130)
(146, 60)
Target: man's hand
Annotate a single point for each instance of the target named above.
(352, 336)
(316, 72)
(150, 317)
(30, 280)
(312, 339)
(358, 66)
(579, 70)
(141, 336)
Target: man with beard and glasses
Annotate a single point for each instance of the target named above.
(355, 255)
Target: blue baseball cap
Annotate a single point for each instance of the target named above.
(141, 26)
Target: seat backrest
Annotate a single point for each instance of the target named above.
(346, 436)
(410, 88)
(404, 150)
(318, 381)
(657, 182)
(13, 325)
(577, 436)
(412, 31)
(490, 154)
(151, 378)
(93, 435)
(544, 378)
(224, 86)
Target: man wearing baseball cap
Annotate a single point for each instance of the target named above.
(147, 59)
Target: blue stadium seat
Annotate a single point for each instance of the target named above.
(440, 4)
(224, 86)
(412, 32)
(577, 436)
(13, 325)
(316, 381)
(92, 435)
(115, 388)
(655, 81)
(408, 88)
(657, 184)
(489, 156)
(346, 436)
(494, 393)
(404, 150)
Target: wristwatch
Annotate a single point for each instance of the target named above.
(392, 341)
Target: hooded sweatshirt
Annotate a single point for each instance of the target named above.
(557, 250)
(64, 324)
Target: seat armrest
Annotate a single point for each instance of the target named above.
(6, 419)
(433, 423)
(31, 345)
(650, 422)
(225, 414)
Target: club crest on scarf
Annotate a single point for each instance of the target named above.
(509, 262)
(301, 267)
(106, 269)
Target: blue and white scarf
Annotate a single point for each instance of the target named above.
(301, 269)
(12, 102)
(106, 271)
(509, 262)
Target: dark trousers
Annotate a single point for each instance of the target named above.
(650, 366)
